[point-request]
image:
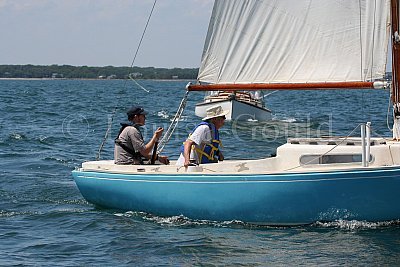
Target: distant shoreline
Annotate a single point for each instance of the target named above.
(87, 79)
(90, 79)
(95, 73)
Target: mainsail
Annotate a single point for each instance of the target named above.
(302, 41)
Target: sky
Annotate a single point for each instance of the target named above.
(103, 32)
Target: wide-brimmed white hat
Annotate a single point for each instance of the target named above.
(214, 112)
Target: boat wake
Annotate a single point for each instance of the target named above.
(179, 221)
(354, 225)
(183, 221)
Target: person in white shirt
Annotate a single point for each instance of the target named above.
(203, 144)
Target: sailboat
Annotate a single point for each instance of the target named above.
(242, 105)
(280, 45)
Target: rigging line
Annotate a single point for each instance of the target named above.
(116, 107)
(111, 118)
(167, 136)
(361, 57)
(372, 66)
(141, 39)
(379, 135)
(361, 46)
(144, 31)
(373, 41)
(270, 93)
(140, 86)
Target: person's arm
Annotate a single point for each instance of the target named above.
(147, 149)
(220, 156)
(186, 152)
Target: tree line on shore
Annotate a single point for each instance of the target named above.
(85, 72)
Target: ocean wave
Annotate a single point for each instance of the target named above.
(163, 114)
(47, 140)
(63, 161)
(78, 201)
(183, 221)
(40, 139)
(354, 224)
(283, 118)
(17, 136)
(182, 118)
(289, 120)
(7, 214)
(179, 220)
(10, 213)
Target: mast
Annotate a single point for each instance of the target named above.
(395, 67)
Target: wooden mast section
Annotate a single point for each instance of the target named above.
(285, 86)
(395, 56)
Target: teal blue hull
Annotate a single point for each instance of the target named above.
(273, 199)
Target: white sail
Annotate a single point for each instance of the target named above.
(286, 41)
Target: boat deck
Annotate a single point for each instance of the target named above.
(239, 96)
(295, 156)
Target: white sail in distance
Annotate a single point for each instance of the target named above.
(302, 41)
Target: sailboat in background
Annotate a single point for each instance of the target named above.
(280, 45)
(242, 105)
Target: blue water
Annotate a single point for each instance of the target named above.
(47, 128)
